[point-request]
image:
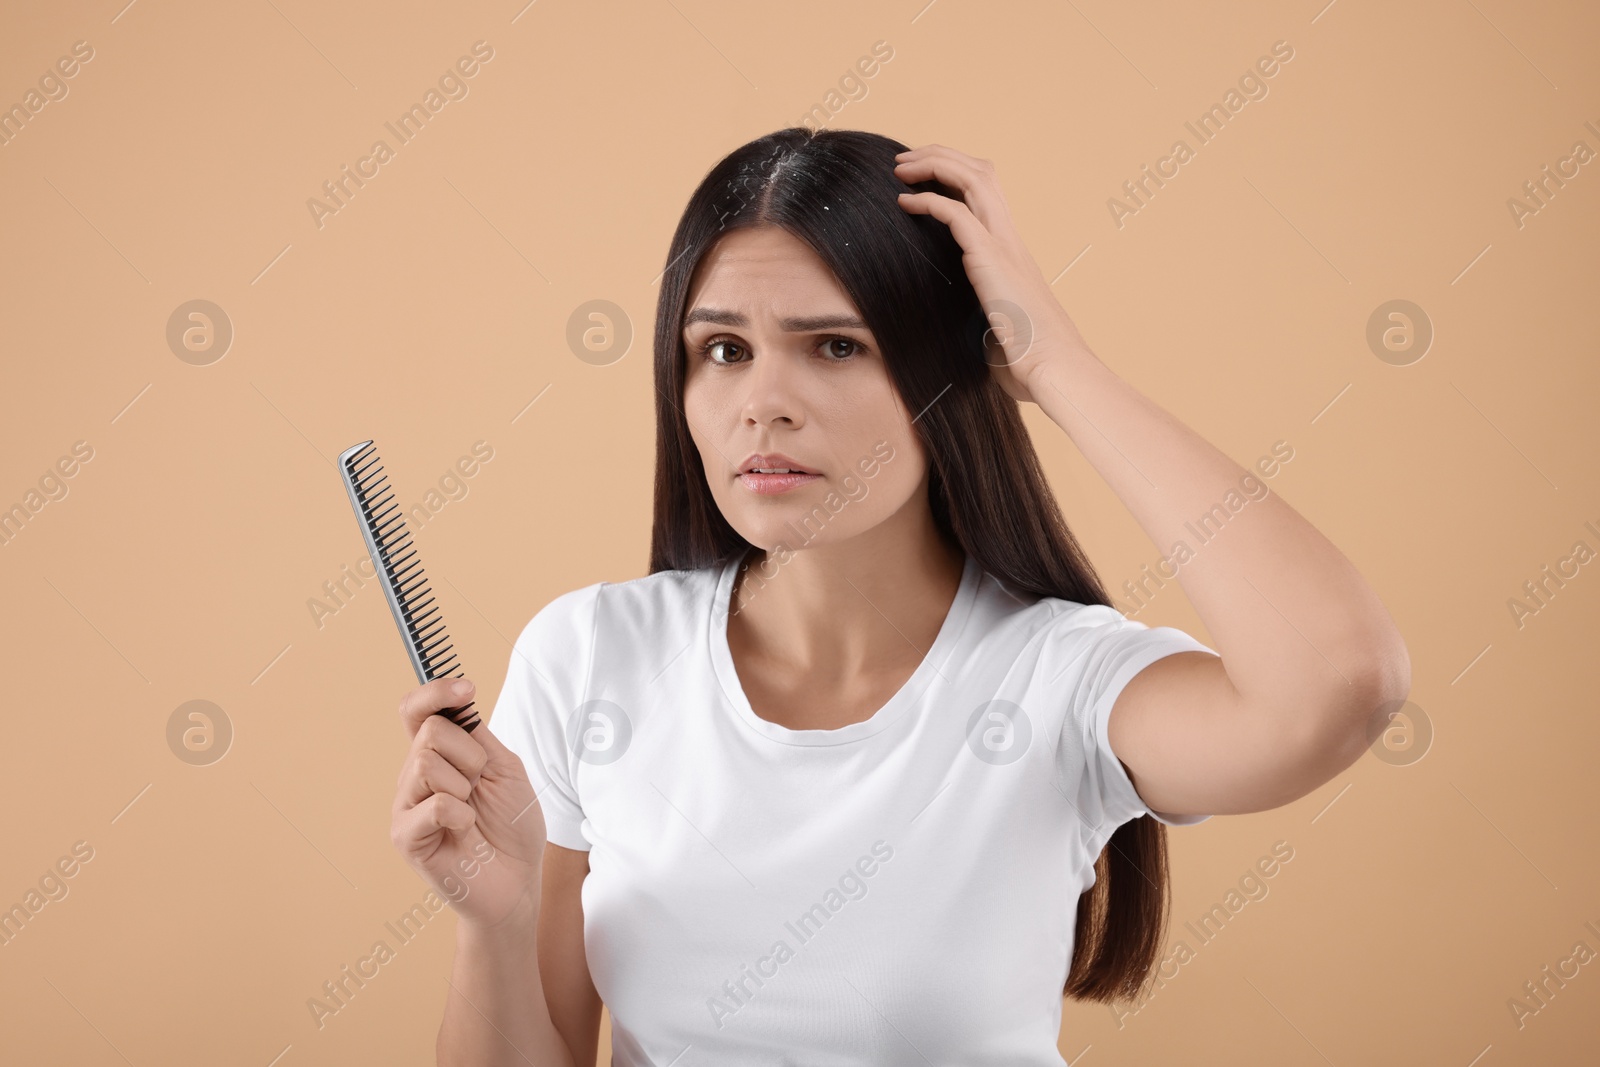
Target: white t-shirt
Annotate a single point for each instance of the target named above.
(899, 890)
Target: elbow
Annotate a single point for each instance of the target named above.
(1364, 709)
(1336, 726)
(1384, 681)
(1379, 680)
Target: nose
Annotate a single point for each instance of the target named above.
(773, 391)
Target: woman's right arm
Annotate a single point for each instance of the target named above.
(466, 819)
(551, 1007)
(495, 1010)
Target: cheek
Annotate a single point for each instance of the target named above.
(694, 398)
(897, 477)
(699, 408)
(877, 487)
(867, 424)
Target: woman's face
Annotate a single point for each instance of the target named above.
(779, 361)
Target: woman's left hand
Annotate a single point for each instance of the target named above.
(1033, 329)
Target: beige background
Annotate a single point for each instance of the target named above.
(432, 309)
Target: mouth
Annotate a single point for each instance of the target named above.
(768, 484)
(773, 463)
(772, 473)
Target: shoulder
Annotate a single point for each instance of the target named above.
(1096, 641)
(1098, 633)
(1020, 616)
(574, 620)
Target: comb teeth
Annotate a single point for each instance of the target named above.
(383, 528)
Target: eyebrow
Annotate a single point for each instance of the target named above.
(801, 324)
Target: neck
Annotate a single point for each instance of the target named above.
(872, 601)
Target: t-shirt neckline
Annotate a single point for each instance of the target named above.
(926, 671)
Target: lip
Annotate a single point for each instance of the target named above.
(772, 484)
(772, 459)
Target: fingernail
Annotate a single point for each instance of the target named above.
(461, 688)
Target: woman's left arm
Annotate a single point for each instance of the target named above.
(1309, 659)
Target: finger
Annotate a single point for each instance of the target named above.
(453, 744)
(934, 148)
(426, 700)
(414, 829)
(974, 178)
(969, 233)
(427, 772)
(493, 746)
(461, 749)
(486, 741)
(955, 169)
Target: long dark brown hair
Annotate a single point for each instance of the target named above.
(986, 488)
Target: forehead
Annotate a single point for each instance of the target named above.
(765, 271)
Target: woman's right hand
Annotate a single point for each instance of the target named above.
(464, 815)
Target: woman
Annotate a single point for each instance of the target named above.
(867, 770)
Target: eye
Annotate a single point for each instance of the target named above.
(736, 353)
(705, 350)
(838, 357)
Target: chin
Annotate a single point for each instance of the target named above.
(773, 533)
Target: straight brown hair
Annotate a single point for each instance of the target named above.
(987, 490)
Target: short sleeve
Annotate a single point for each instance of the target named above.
(1100, 650)
(545, 683)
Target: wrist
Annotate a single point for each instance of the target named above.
(516, 925)
(1049, 368)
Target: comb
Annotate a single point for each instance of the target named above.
(383, 528)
